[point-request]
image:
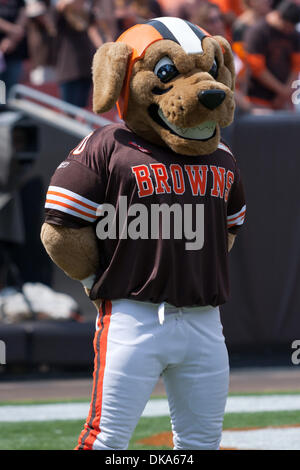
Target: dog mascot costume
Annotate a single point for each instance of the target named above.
(144, 213)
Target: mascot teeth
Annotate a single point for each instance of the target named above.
(204, 131)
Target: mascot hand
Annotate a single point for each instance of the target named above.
(96, 302)
(231, 239)
(87, 284)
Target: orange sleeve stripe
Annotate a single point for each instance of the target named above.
(257, 63)
(71, 207)
(55, 193)
(296, 62)
(232, 225)
(239, 216)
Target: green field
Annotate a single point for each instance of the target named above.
(63, 435)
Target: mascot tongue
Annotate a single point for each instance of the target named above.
(201, 132)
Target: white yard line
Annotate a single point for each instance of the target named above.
(262, 439)
(252, 404)
(67, 411)
(57, 411)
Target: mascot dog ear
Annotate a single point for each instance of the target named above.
(228, 58)
(109, 71)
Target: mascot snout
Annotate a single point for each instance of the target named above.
(211, 99)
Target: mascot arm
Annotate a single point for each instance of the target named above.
(73, 250)
(231, 240)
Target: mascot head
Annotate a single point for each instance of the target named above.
(172, 82)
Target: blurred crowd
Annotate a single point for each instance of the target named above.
(54, 41)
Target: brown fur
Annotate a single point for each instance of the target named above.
(231, 240)
(109, 69)
(75, 250)
(180, 105)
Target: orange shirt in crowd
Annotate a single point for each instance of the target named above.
(236, 6)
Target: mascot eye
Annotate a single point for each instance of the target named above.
(165, 70)
(214, 70)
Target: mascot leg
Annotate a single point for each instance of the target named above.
(132, 349)
(126, 369)
(197, 388)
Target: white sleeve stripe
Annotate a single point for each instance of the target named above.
(48, 205)
(81, 146)
(237, 214)
(239, 221)
(71, 203)
(67, 192)
(224, 147)
(236, 219)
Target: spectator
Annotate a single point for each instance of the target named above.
(255, 10)
(189, 9)
(273, 54)
(131, 12)
(210, 17)
(104, 11)
(77, 39)
(147, 9)
(12, 40)
(231, 9)
(172, 7)
(41, 34)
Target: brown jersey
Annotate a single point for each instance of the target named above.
(149, 188)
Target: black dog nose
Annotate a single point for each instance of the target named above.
(211, 99)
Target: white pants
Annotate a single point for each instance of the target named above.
(132, 350)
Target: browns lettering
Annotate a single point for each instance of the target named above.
(161, 179)
(143, 179)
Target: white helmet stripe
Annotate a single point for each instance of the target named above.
(183, 33)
